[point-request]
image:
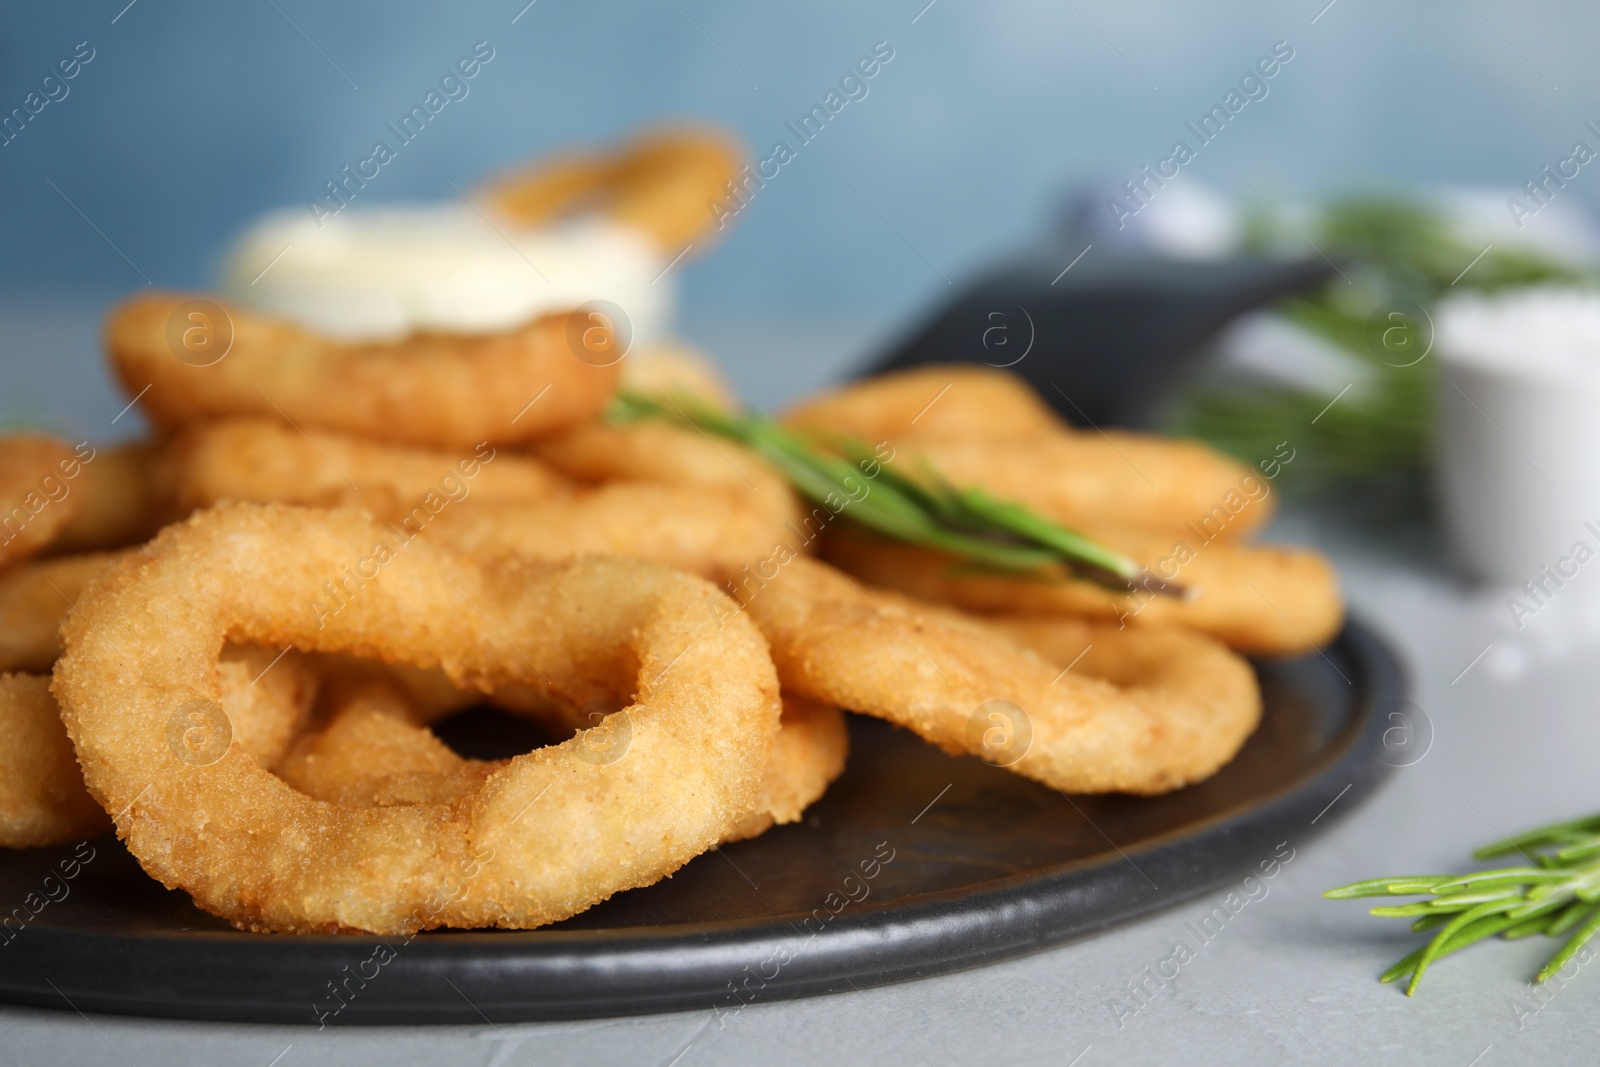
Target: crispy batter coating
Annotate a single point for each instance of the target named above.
(1265, 600)
(1113, 478)
(268, 694)
(438, 390)
(36, 499)
(42, 796)
(268, 462)
(674, 368)
(34, 597)
(960, 685)
(807, 755)
(375, 750)
(659, 184)
(681, 763)
(657, 452)
(959, 401)
(699, 530)
(125, 499)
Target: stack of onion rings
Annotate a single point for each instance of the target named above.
(367, 539)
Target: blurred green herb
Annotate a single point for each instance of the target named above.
(843, 474)
(1396, 258)
(1556, 894)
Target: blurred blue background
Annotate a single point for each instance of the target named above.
(193, 117)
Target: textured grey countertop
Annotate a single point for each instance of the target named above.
(1291, 978)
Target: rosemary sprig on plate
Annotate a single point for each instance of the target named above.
(1557, 893)
(982, 531)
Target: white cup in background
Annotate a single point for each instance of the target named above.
(1519, 429)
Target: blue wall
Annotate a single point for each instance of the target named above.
(192, 117)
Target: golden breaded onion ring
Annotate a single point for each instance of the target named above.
(1264, 600)
(1113, 478)
(660, 184)
(960, 685)
(597, 453)
(674, 368)
(960, 401)
(268, 462)
(36, 500)
(34, 597)
(439, 390)
(375, 750)
(125, 499)
(690, 747)
(809, 752)
(42, 796)
(699, 530)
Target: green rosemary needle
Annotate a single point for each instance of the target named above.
(980, 531)
(1556, 894)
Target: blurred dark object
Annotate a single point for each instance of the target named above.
(1104, 338)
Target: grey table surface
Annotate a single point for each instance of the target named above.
(1511, 740)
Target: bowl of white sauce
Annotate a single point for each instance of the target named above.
(1519, 432)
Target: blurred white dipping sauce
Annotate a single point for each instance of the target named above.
(1519, 431)
(382, 273)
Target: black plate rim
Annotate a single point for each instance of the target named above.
(559, 975)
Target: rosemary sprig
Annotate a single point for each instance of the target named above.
(1393, 252)
(1557, 893)
(980, 530)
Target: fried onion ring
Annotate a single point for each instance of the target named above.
(807, 755)
(269, 462)
(265, 699)
(694, 529)
(659, 185)
(440, 390)
(32, 515)
(659, 452)
(702, 711)
(1112, 478)
(976, 426)
(126, 498)
(42, 798)
(672, 369)
(375, 751)
(1267, 600)
(959, 401)
(34, 597)
(942, 675)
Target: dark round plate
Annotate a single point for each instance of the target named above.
(913, 864)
